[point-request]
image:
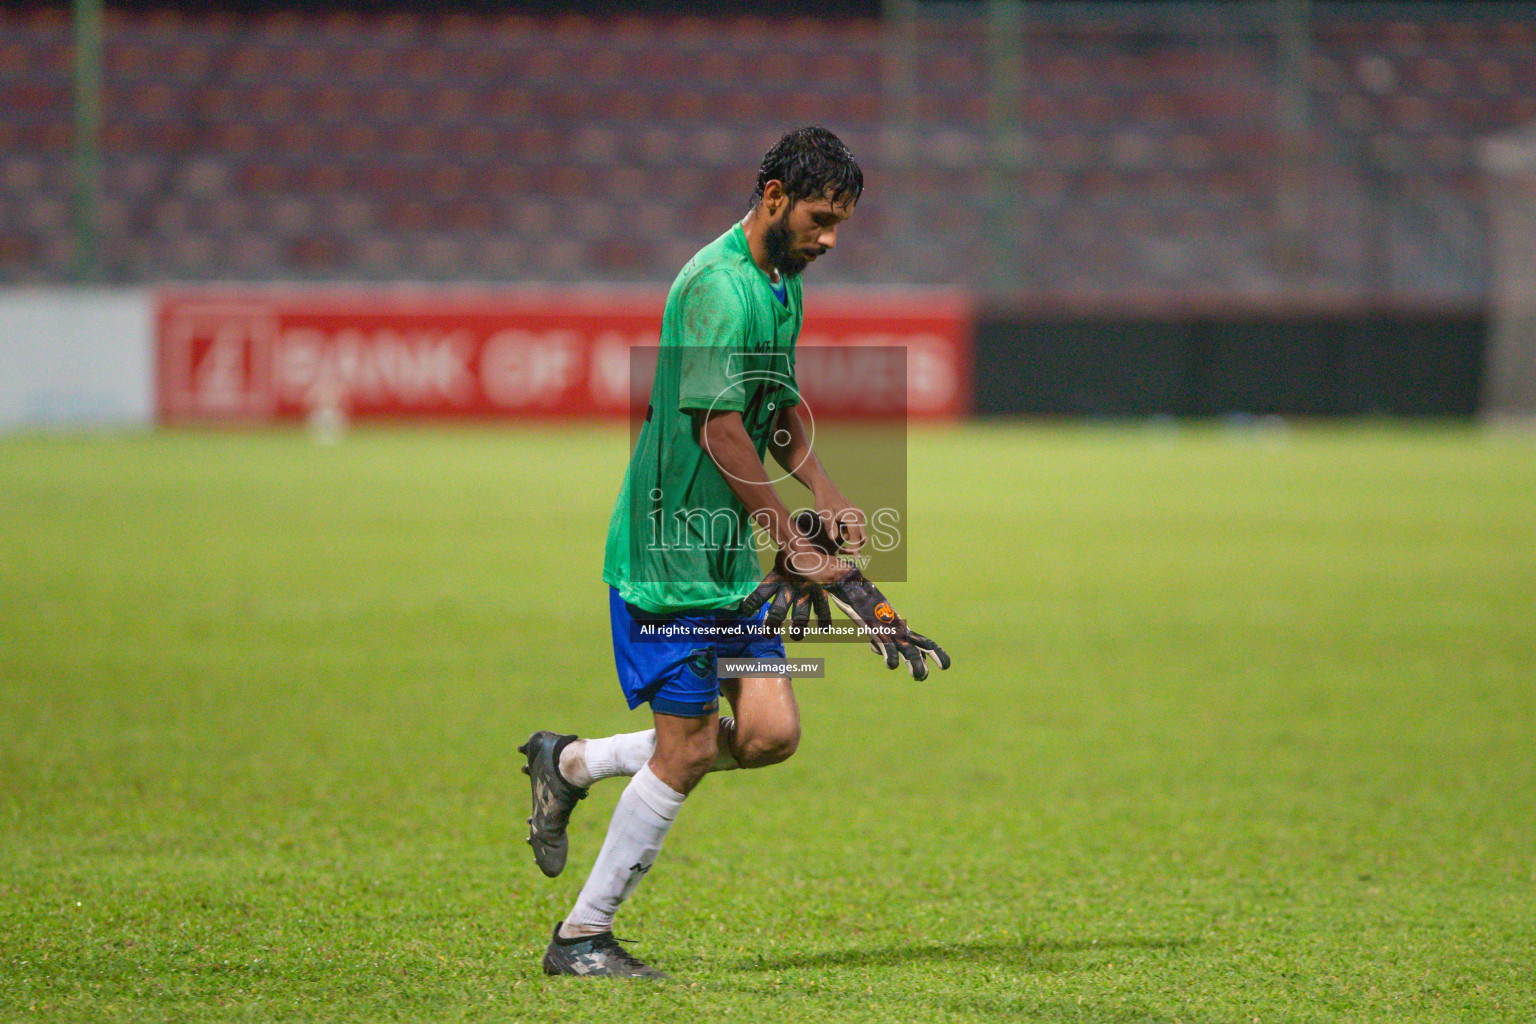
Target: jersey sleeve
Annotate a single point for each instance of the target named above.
(712, 335)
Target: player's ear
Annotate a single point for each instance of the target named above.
(774, 199)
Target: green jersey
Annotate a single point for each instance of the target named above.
(679, 538)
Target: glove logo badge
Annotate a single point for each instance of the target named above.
(884, 613)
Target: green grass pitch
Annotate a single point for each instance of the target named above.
(1242, 727)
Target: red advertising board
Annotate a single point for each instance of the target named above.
(255, 355)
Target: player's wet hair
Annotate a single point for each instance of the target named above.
(811, 163)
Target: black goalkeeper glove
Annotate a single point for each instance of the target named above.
(792, 597)
(888, 632)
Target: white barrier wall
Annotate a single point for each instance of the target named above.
(76, 357)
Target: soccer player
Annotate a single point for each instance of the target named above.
(686, 587)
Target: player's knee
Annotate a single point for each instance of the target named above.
(770, 746)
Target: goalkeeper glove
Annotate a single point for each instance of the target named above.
(888, 632)
(795, 598)
(790, 598)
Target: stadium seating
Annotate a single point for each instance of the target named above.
(1127, 160)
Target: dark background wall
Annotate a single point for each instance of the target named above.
(760, 8)
(764, 8)
(1326, 364)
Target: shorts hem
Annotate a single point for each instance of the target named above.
(684, 709)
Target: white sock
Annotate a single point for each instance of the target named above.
(605, 757)
(644, 813)
(584, 762)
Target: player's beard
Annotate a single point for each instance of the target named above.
(780, 253)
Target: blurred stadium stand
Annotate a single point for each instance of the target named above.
(1134, 153)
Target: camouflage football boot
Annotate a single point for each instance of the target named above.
(553, 800)
(594, 956)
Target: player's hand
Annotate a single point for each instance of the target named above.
(888, 632)
(810, 553)
(795, 594)
(841, 520)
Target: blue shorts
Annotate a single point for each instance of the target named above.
(668, 661)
